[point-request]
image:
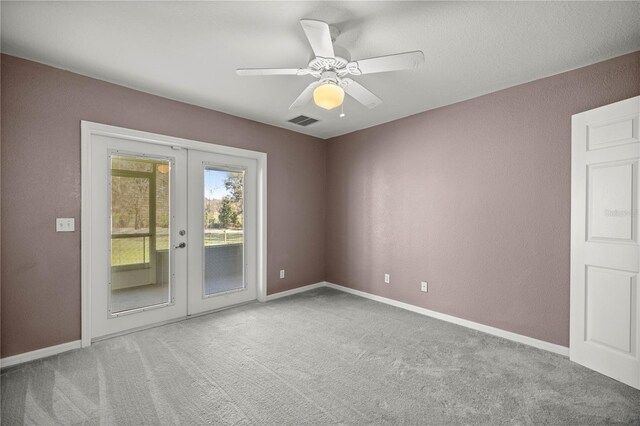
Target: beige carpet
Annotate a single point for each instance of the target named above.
(321, 357)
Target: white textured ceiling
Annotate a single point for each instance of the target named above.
(189, 51)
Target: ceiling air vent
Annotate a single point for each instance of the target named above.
(302, 120)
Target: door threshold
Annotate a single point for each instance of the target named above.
(171, 321)
(224, 308)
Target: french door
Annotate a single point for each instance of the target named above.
(173, 232)
(222, 235)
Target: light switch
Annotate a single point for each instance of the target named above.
(65, 224)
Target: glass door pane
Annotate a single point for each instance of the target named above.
(140, 212)
(223, 230)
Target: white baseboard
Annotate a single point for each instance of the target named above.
(294, 291)
(39, 353)
(77, 344)
(540, 344)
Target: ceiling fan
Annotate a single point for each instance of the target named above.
(332, 71)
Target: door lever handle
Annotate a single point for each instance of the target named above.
(181, 245)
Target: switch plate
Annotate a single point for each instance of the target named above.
(65, 224)
(281, 273)
(424, 286)
(387, 278)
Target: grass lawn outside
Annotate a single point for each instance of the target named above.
(132, 251)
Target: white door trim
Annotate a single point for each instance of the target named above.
(88, 129)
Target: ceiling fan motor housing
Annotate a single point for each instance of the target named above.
(321, 64)
(329, 77)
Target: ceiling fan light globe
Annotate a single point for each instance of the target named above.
(328, 96)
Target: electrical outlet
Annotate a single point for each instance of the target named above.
(386, 278)
(281, 273)
(423, 286)
(65, 224)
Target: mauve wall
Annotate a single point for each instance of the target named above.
(472, 197)
(41, 112)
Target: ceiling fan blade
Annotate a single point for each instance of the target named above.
(399, 61)
(360, 93)
(319, 37)
(267, 71)
(305, 96)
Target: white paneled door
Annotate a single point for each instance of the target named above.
(605, 250)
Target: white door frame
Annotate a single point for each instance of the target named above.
(88, 129)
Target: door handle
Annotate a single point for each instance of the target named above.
(181, 245)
